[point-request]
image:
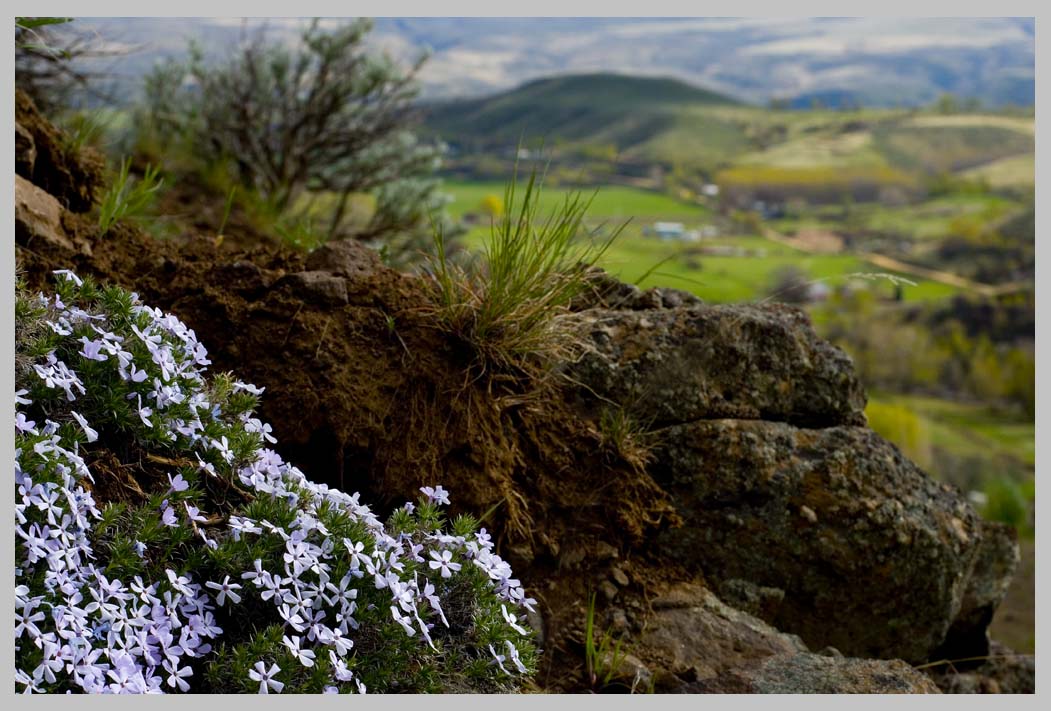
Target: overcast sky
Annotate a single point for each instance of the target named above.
(903, 59)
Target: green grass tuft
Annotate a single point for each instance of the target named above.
(128, 198)
(507, 308)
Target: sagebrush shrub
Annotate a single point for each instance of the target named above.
(220, 568)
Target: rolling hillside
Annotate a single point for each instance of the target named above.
(630, 115)
(640, 121)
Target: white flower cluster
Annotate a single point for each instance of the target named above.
(319, 610)
(105, 635)
(83, 630)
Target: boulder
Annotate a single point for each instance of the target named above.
(691, 634)
(346, 258)
(38, 216)
(815, 674)
(873, 555)
(698, 644)
(994, 567)
(673, 366)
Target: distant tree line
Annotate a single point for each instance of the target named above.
(970, 350)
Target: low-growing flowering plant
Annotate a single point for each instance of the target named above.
(161, 546)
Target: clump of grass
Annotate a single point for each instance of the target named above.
(226, 211)
(508, 307)
(601, 658)
(625, 435)
(128, 197)
(299, 232)
(83, 129)
(1007, 502)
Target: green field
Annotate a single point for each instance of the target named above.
(850, 149)
(1011, 172)
(933, 218)
(612, 203)
(971, 428)
(715, 278)
(729, 279)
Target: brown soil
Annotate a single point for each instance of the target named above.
(190, 206)
(73, 179)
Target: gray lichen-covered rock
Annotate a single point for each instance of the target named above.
(814, 674)
(691, 634)
(699, 644)
(672, 366)
(994, 566)
(873, 555)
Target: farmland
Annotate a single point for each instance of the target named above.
(614, 202)
(705, 268)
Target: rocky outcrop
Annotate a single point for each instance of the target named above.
(792, 507)
(837, 518)
(671, 366)
(41, 157)
(994, 565)
(697, 643)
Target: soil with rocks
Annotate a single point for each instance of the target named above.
(757, 537)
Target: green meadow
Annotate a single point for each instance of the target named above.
(613, 203)
(649, 261)
(747, 278)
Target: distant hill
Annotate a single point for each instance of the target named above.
(625, 113)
